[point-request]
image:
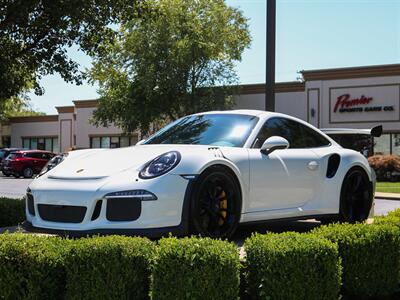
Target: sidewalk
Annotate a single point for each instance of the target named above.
(389, 196)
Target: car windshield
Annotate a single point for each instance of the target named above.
(2, 154)
(209, 129)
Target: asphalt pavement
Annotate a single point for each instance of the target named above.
(16, 188)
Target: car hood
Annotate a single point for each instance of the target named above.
(101, 163)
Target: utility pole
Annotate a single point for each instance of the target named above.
(270, 56)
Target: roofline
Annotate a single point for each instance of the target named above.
(351, 72)
(33, 119)
(65, 109)
(280, 87)
(86, 103)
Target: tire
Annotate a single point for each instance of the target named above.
(27, 172)
(356, 197)
(215, 205)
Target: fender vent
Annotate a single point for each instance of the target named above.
(333, 165)
(216, 151)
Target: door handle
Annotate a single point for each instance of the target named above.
(313, 165)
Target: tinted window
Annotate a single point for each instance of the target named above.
(208, 129)
(2, 154)
(298, 135)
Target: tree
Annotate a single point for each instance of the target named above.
(166, 63)
(16, 107)
(35, 36)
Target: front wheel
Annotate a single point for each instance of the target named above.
(215, 203)
(356, 196)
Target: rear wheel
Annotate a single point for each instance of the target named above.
(356, 196)
(27, 172)
(215, 203)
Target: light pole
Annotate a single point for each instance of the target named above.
(270, 56)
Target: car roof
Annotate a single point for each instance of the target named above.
(249, 112)
(32, 151)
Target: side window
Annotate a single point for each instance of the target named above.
(297, 134)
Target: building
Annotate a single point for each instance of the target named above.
(357, 97)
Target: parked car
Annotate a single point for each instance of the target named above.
(4, 152)
(204, 174)
(26, 163)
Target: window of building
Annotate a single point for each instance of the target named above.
(41, 143)
(6, 141)
(112, 141)
(382, 144)
(297, 134)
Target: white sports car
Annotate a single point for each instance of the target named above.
(204, 174)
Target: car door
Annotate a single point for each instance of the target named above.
(42, 159)
(285, 178)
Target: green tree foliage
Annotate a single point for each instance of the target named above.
(35, 36)
(16, 107)
(162, 65)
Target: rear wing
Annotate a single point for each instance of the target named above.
(374, 131)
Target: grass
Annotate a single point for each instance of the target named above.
(388, 187)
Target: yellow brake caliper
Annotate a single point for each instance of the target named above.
(223, 205)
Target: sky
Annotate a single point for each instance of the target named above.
(310, 34)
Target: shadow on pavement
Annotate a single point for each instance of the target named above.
(246, 230)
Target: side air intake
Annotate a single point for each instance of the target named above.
(333, 165)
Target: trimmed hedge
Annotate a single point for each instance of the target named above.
(393, 218)
(12, 211)
(195, 268)
(370, 258)
(292, 266)
(112, 267)
(31, 267)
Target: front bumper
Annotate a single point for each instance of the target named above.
(81, 207)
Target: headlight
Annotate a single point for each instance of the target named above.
(160, 165)
(56, 160)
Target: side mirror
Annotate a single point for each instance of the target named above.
(140, 142)
(274, 143)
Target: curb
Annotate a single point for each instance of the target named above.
(387, 196)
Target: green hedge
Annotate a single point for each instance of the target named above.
(12, 211)
(292, 266)
(370, 258)
(112, 267)
(393, 218)
(31, 267)
(195, 268)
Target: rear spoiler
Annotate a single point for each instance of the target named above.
(374, 131)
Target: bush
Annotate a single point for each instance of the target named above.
(370, 258)
(292, 266)
(196, 268)
(112, 267)
(31, 267)
(12, 211)
(392, 217)
(384, 166)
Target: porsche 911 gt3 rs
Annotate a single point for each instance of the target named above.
(204, 174)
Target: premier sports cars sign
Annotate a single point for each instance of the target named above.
(364, 104)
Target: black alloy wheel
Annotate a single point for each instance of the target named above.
(215, 204)
(356, 196)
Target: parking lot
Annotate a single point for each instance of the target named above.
(16, 188)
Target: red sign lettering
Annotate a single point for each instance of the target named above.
(344, 101)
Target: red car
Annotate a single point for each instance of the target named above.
(26, 162)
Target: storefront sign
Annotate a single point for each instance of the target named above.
(364, 104)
